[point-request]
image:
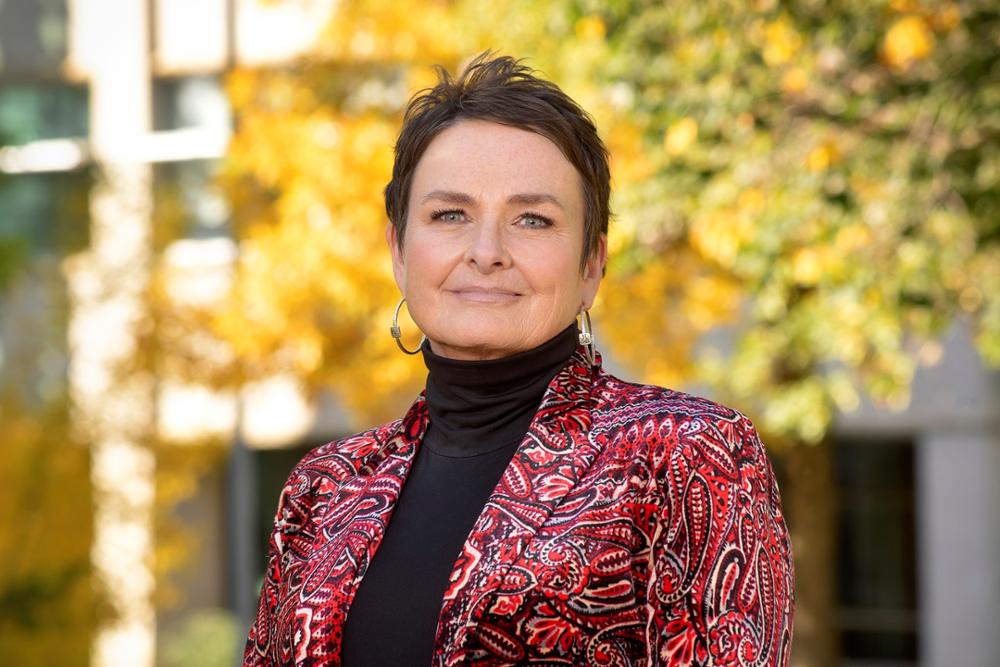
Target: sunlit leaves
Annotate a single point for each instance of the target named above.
(47, 600)
(680, 135)
(782, 41)
(805, 193)
(829, 190)
(907, 41)
(312, 291)
(313, 284)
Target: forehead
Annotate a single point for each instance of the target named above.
(483, 158)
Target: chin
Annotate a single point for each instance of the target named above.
(479, 345)
(485, 344)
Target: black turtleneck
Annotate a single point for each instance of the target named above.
(479, 412)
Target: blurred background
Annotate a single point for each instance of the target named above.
(194, 288)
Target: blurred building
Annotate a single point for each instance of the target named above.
(110, 112)
(113, 109)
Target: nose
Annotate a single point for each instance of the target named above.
(487, 249)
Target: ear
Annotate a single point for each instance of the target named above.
(593, 271)
(398, 264)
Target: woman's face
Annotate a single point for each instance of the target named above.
(490, 265)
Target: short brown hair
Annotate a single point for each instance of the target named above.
(503, 90)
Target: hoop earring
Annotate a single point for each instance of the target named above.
(397, 334)
(586, 337)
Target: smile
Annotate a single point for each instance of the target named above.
(483, 295)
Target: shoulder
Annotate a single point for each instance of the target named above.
(318, 475)
(613, 393)
(343, 457)
(718, 518)
(675, 428)
(619, 403)
(321, 471)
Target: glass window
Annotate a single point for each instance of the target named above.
(187, 202)
(43, 217)
(33, 37)
(191, 101)
(42, 110)
(877, 577)
(44, 213)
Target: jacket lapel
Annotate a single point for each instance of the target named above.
(551, 458)
(351, 521)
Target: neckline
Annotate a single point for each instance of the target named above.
(477, 407)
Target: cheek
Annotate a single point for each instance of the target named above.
(557, 274)
(425, 264)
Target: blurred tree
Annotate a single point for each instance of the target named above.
(12, 248)
(47, 606)
(313, 293)
(12, 252)
(813, 183)
(830, 171)
(47, 603)
(206, 638)
(823, 184)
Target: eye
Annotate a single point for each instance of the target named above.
(448, 215)
(534, 221)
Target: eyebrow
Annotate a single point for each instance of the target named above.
(533, 198)
(449, 196)
(524, 198)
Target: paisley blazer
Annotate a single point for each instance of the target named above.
(635, 525)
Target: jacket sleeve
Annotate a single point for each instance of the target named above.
(720, 589)
(288, 538)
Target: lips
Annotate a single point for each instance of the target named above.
(485, 294)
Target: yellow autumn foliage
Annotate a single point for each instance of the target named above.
(642, 303)
(380, 31)
(782, 42)
(823, 156)
(680, 136)
(947, 18)
(590, 27)
(794, 80)
(718, 235)
(727, 197)
(312, 293)
(908, 40)
(47, 599)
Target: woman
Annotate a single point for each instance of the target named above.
(529, 508)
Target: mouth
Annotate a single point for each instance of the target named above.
(485, 294)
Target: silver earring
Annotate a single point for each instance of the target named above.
(397, 334)
(587, 337)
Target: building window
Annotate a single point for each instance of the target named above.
(33, 37)
(43, 218)
(45, 213)
(876, 564)
(42, 110)
(187, 201)
(190, 102)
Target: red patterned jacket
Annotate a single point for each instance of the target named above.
(634, 525)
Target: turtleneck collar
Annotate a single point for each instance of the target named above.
(477, 407)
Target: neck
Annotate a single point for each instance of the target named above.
(476, 407)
